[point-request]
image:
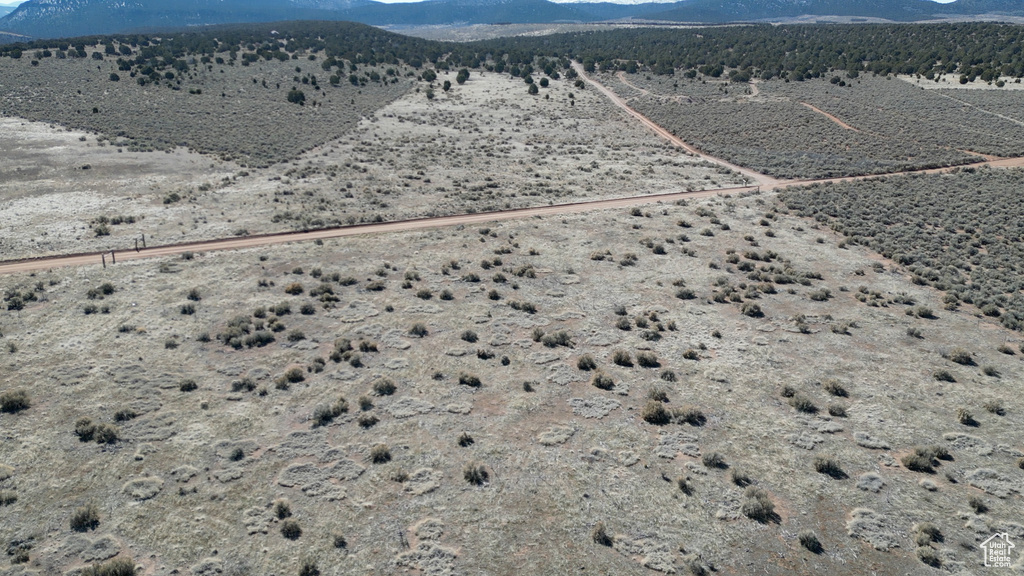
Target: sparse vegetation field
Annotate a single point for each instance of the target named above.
(433, 415)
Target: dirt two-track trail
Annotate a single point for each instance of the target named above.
(762, 182)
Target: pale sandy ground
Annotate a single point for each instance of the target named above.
(560, 459)
(486, 145)
(952, 81)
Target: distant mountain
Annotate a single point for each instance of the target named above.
(57, 18)
(434, 12)
(745, 10)
(1012, 7)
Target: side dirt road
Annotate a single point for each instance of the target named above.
(763, 182)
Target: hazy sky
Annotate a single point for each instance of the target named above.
(19, 2)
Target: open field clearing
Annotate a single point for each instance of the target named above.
(637, 350)
(484, 145)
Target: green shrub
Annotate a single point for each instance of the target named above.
(803, 404)
(380, 454)
(13, 401)
(125, 414)
(944, 376)
(929, 556)
(586, 362)
(365, 403)
(469, 336)
(555, 339)
(85, 518)
(599, 534)
(119, 566)
(658, 394)
(829, 466)
(282, 509)
(290, 529)
(917, 462)
(465, 440)
(188, 385)
(690, 415)
(757, 505)
(247, 384)
(833, 387)
(809, 540)
(106, 433)
(684, 485)
(622, 358)
(418, 329)
(751, 309)
(740, 478)
(384, 387)
(654, 412)
(8, 497)
(602, 381)
(308, 567)
(713, 460)
(961, 356)
(469, 380)
(647, 359)
(367, 420)
(965, 417)
(995, 407)
(325, 414)
(475, 474)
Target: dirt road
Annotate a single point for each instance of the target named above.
(97, 258)
(830, 117)
(764, 182)
(760, 179)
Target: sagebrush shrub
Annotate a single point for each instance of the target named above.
(85, 518)
(599, 534)
(828, 466)
(380, 454)
(654, 412)
(757, 505)
(13, 401)
(622, 358)
(809, 540)
(290, 529)
(475, 474)
(602, 381)
(647, 359)
(119, 566)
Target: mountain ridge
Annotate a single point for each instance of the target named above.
(66, 18)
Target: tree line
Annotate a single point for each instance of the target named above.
(972, 50)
